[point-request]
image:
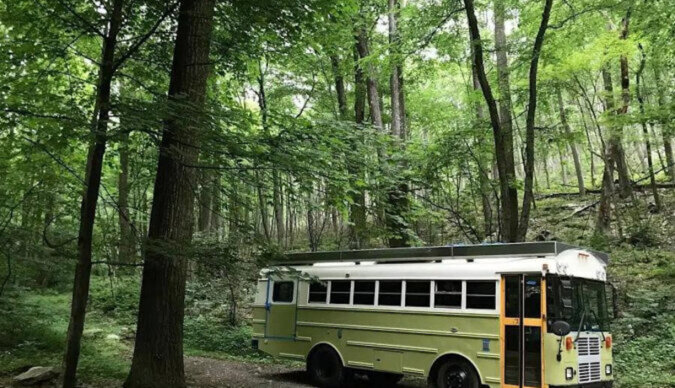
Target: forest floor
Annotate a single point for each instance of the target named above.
(210, 372)
(33, 322)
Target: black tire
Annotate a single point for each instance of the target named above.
(325, 368)
(456, 374)
(382, 379)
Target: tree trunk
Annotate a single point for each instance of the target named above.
(528, 195)
(645, 132)
(504, 156)
(666, 128)
(205, 205)
(395, 77)
(484, 178)
(277, 203)
(508, 177)
(615, 135)
(397, 206)
(89, 199)
(622, 168)
(371, 80)
(339, 87)
(563, 167)
(216, 205)
(158, 352)
(572, 143)
(127, 246)
(590, 144)
(357, 212)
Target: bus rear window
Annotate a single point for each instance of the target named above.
(480, 295)
(282, 292)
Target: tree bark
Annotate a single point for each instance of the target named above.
(216, 205)
(508, 191)
(371, 80)
(528, 195)
(90, 198)
(158, 352)
(127, 246)
(645, 132)
(357, 210)
(395, 77)
(278, 204)
(666, 128)
(397, 195)
(590, 144)
(484, 179)
(204, 219)
(622, 167)
(572, 143)
(615, 134)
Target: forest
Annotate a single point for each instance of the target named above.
(155, 155)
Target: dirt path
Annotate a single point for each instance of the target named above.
(209, 372)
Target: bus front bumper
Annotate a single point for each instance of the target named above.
(599, 384)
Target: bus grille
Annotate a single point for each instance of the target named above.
(588, 346)
(589, 371)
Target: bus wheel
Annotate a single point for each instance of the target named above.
(325, 368)
(456, 374)
(382, 379)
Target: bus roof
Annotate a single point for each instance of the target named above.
(430, 254)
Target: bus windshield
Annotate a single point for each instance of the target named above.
(580, 302)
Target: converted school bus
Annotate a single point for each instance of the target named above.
(503, 315)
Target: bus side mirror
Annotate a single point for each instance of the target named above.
(560, 328)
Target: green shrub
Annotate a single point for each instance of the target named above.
(117, 298)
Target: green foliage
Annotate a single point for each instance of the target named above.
(116, 297)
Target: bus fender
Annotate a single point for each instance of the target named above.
(318, 344)
(450, 355)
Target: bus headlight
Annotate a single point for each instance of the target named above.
(608, 369)
(569, 373)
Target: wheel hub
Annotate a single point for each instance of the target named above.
(455, 378)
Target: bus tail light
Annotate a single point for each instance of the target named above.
(569, 343)
(608, 342)
(569, 373)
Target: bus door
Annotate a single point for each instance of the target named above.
(522, 328)
(281, 308)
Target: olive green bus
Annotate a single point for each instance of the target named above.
(500, 315)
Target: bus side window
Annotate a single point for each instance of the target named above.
(339, 291)
(282, 292)
(318, 292)
(390, 293)
(364, 292)
(448, 293)
(418, 293)
(480, 295)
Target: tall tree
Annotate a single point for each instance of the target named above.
(625, 183)
(572, 143)
(528, 193)
(508, 192)
(397, 206)
(513, 229)
(357, 209)
(90, 198)
(158, 352)
(645, 131)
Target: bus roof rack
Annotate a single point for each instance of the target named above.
(427, 254)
